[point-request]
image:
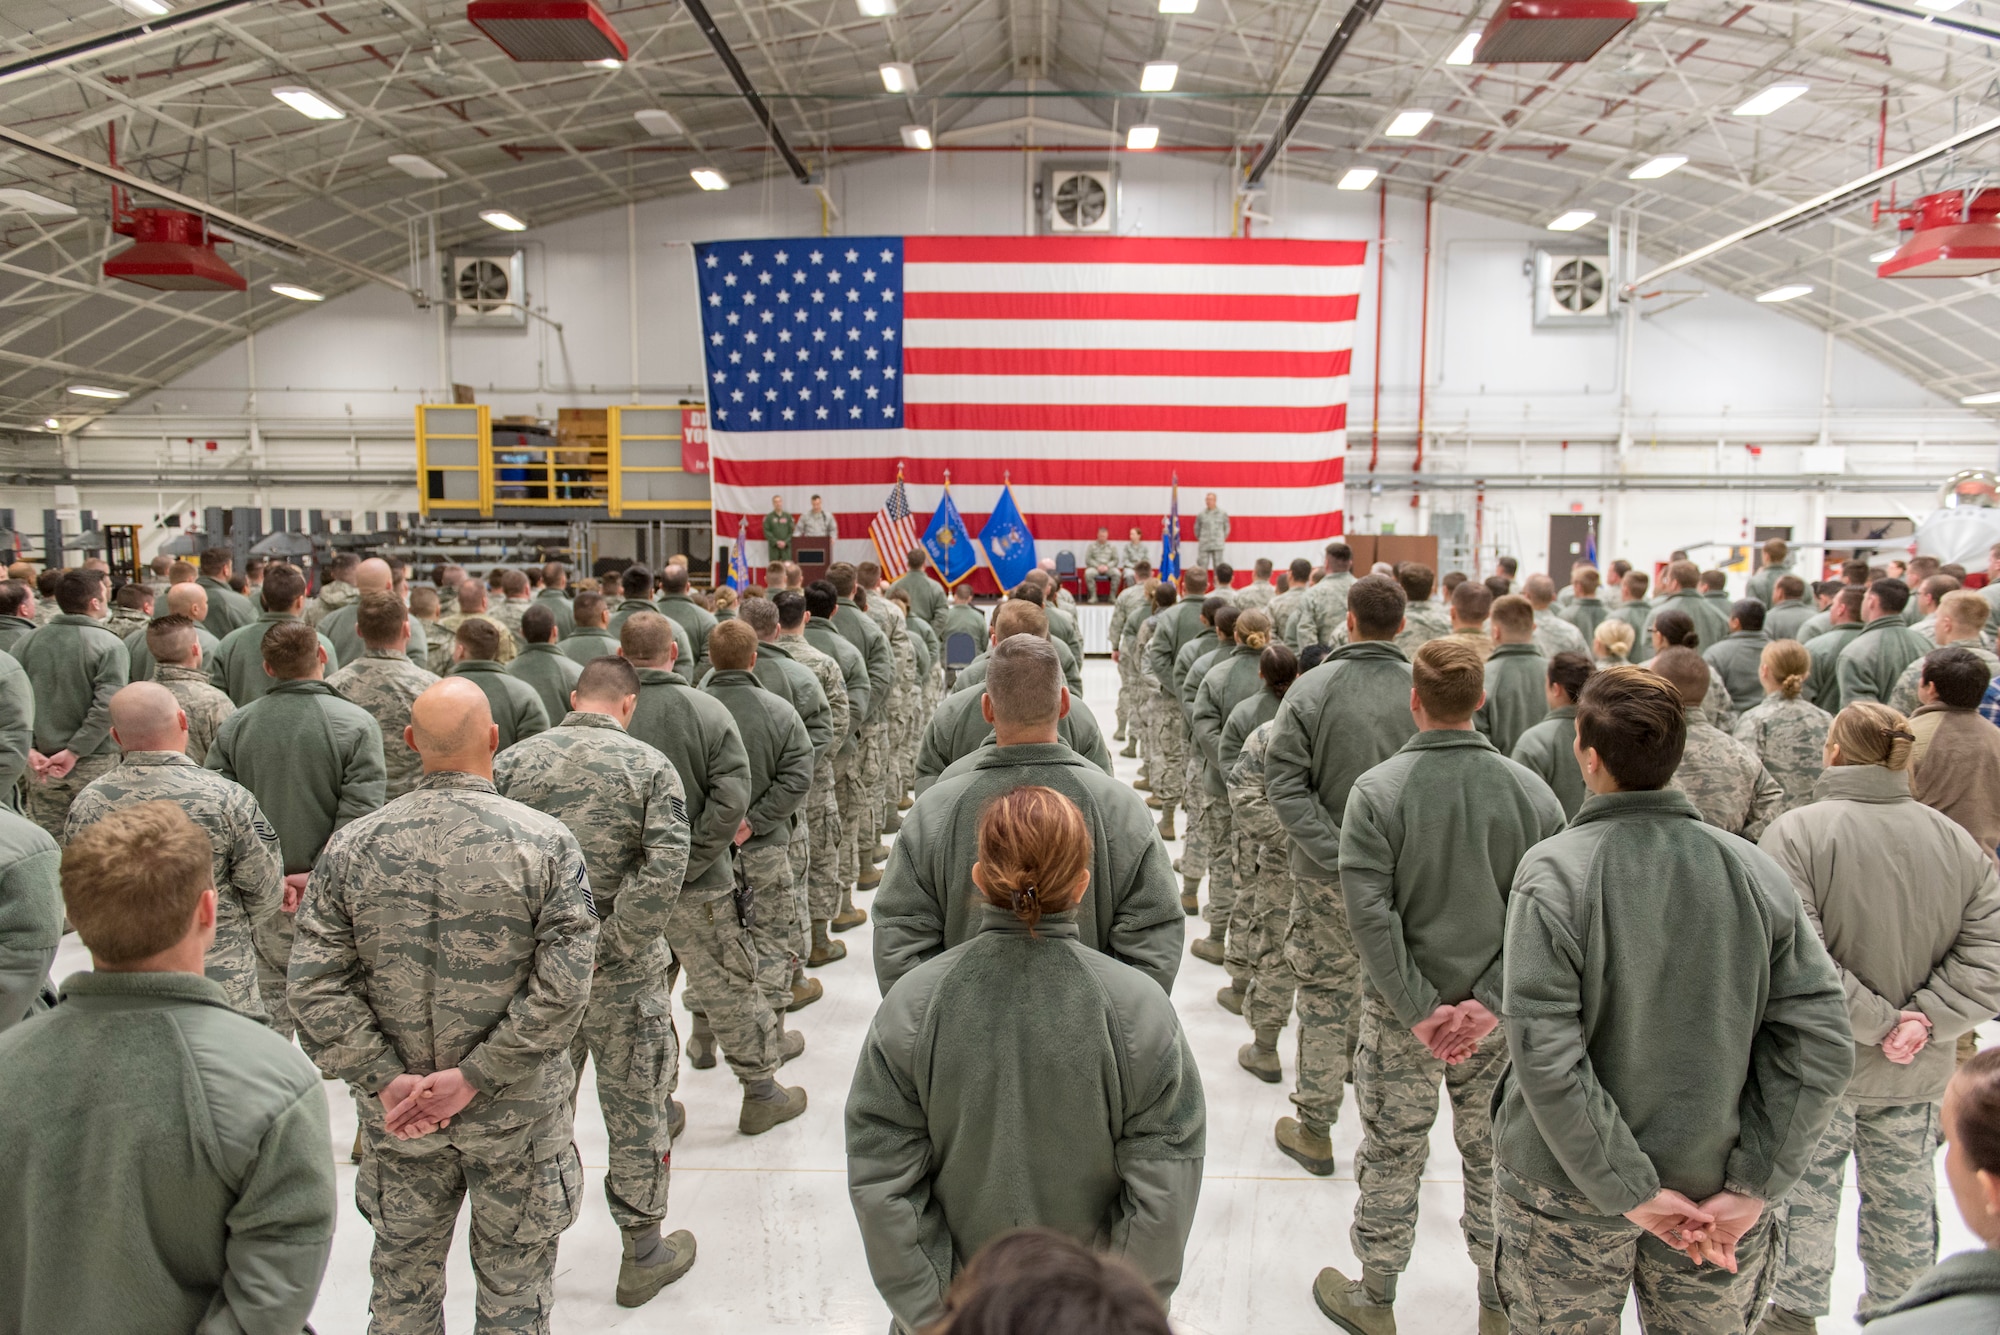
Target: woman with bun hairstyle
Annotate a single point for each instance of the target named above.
(1787, 732)
(1612, 642)
(1230, 680)
(1674, 629)
(1022, 1079)
(1909, 908)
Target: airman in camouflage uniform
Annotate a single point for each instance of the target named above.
(472, 603)
(1263, 902)
(513, 605)
(1725, 781)
(1127, 613)
(1191, 665)
(187, 681)
(1145, 689)
(249, 869)
(1789, 737)
(1211, 531)
(336, 591)
(860, 630)
(1325, 604)
(823, 860)
(811, 682)
(131, 610)
(901, 735)
(442, 967)
(386, 683)
(821, 634)
(1285, 608)
(624, 804)
(1174, 626)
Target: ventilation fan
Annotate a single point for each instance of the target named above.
(488, 290)
(1079, 201)
(1572, 290)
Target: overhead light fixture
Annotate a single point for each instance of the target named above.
(15, 199)
(1572, 220)
(1409, 124)
(309, 104)
(660, 124)
(52, 424)
(152, 9)
(1938, 6)
(296, 293)
(1177, 6)
(1142, 137)
(1768, 101)
(97, 392)
(917, 137)
(608, 63)
(1159, 76)
(1652, 169)
(1789, 292)
(422, 168)
(899, 76)
(1883, 256)
(1981, 400)
(709, 179)
(1462, 53)
(1358, 178)
(876, 9)
(503, 220)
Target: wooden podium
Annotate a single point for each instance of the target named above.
(814, 555)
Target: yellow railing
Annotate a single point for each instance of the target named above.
(454, 449)
(639, 466)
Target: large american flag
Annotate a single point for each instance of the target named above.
(1091, 369)
(894, 531)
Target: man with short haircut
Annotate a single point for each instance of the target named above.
(624, 804)
(542, 664)
(961, 617)
(816, 523)
(74, 666)
(168, 1167)
(1763, 585)
(1553, 634)
(515, 705)
(1128, 612)
(1100, 567)
(514, 603)
(386, 683)
(1258, 593)
(928, 903)
(445, 985)
(779, 524)
(337, 588)
(1822, 686)
(1789, 608)
(1547, 748)
(1035, 592)
(927, 597)
(46, 608)
(472, 602)
(186, 599)
(1633, 1137)
(227, 609)
(676, 606)
(1585, 609)
(426, 610)
(818, 631)
(1821, 620)
(373, 576)
(1423, 619)
(1872, 661)
(1721, 776)
(1211, 532)
(1737, 656)
(1714, 586)
(1516, 675)
(588, 636)
(248, 870)
(1325, 609)
(1287, 606)
(1428, 846)
(1955, 764)
(1680, 588)
(1928, 595)
(173, 652)
(1959, 623)
(313, 761)
(1635, 609)
(1337, 721)
(1471, 605)
(131, 608)
(17, 613)
(237, 667)
(861, 630)
(554, 595)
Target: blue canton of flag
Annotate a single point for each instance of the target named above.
(1010, 548)
(1170, 537)
(949, 542)
(803, 335)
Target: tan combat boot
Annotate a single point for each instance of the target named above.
(1312, 1149)
(1260, 1058)
(1190, 894)
(1349, 1304)
(766, 1104)
(651, 1263)
(700, 1047)
(1166, 821)
(849, 916)
(1231, 998)
(825, 950)
(1209, 948)
(805, 991)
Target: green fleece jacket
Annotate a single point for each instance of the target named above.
(974, 673)
(1548, 749)
(13, 630)
(551, 673)
(31, 917)
(1822, 686)
(1785, 620)
(1428, 848)
(794, 683)
(697, 621)
(1517, 697)
(237, 668)
(227, 609)
(1871, 662)
(312, 760)
(963, 619)
(860, 631)
(1172, 629)
(1737, 657)
(928, 599)
(1337, 722)
(584, 645)
(1960, 1295)
(1672, 1018)
(853, 671)
(516, 706)
(780, 753)
(17, 728)
(75, 666)
(560, 608)
(1711, 622)
(699, 736)
(927, 902)
(958, 728)
(140, 658)
(1229, 681)
(1586, 614)
(179, 1179)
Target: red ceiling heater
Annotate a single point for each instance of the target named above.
(1954, 234)
(559, 30)
(175, 252)
(1551, 32)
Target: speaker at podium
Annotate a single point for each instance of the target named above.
(813, 556)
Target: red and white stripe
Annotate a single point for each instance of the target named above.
(1090, 372)
(893, 539)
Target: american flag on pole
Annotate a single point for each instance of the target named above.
(894, 530)
(1094, 369)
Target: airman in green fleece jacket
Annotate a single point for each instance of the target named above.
(1548, 747)
(959, 727)
(74, 666)
(517, 707)
(1231, 679)
(1872, 661)
(1517, 676)
(1679, 1043)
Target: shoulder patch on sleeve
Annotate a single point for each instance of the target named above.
(583, 888)
(263, 830)
(680, 807)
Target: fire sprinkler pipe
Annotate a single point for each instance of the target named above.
(1381, 267)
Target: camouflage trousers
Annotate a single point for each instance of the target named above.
(526, 1187)
(848, 799)
(48, 802)
(908, 733)
(1218, 838)
(829, 853)
(774, 921)
(799, 853)
(1320, 949)
(1169, 758)
(1560, 1275)
(628, 1036)
(1396, 1092)
(1129, 688)
(871, 781)
(231, 963)
(722, 986)
(1257, 928)
(1209, 555)
(273, 941)
(1194, 836)
(1893, 1148)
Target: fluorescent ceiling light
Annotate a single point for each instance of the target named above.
(503, 220)
(1938, 6)
(1358, 178)
(1654, 168)
(1572, 220)
(1789, 292)
(97, 392)
(1177, 6)
(52, 424)
(1883, 256)
(1462, 53)
(421, 168)
(1159, 76)
(709, 179)
(1981, 400)
(296, 293)
(152, 9)
(916, 136)
(608, 63)
(660, 124)
(1768, 101)
(309, 104)
(876, 9)
(899, 76)
(1408, 124)
(1142, 137)
(15, 199)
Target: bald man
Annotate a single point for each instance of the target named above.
(442, 967)
(151, 729)
(188, 600)
(372, 576)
